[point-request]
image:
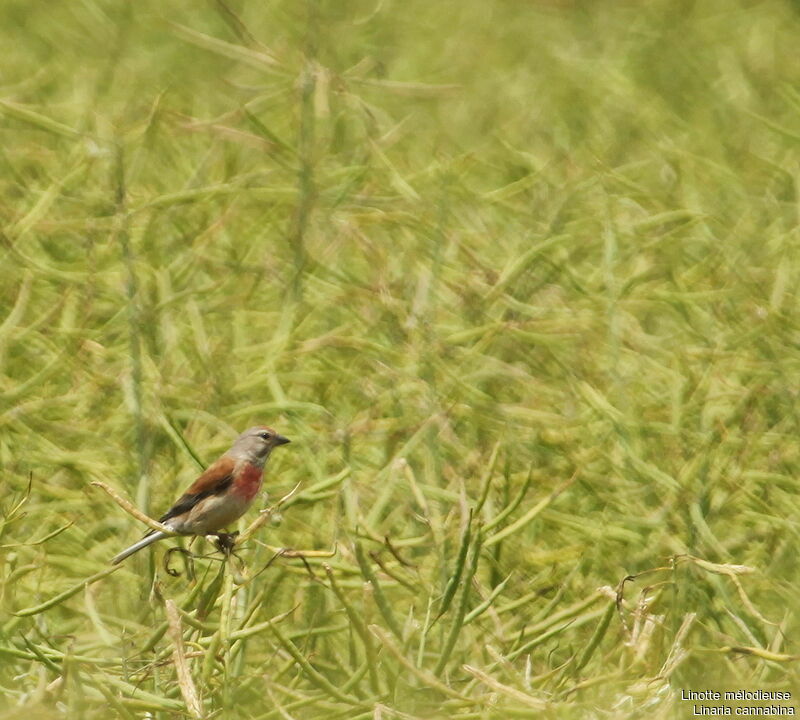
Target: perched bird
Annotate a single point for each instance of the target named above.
(222, 494)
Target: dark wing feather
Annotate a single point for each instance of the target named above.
(215, 480)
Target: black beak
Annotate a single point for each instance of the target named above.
(280, 440)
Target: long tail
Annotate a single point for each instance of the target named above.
(144, 542)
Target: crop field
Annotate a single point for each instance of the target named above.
(518, 278)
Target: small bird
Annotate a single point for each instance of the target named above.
(222, 494)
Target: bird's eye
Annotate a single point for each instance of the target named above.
(264, 435)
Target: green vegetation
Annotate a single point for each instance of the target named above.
(520, 281)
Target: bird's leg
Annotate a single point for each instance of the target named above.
(226, 542)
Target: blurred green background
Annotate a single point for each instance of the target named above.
(519, 280)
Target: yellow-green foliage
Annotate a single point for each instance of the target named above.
(519, 278)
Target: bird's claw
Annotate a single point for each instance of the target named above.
(226, 542)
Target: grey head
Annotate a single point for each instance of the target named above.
(256, 443)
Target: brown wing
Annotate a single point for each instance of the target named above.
(215, 480)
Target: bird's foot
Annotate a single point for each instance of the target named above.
(226, 542)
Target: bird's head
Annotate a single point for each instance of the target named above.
(257, 443)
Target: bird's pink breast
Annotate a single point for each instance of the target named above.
(248, 483)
